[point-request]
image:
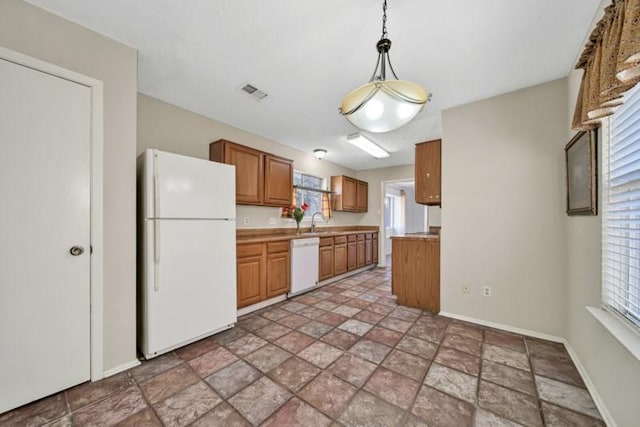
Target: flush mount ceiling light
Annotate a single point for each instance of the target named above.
(384, 105)
(368, 146)
(319, 153)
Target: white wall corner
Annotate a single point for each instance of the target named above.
(597, 399)
(121, 368)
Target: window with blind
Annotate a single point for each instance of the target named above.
(621, 210)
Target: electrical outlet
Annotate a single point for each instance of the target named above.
(466, 288)
(486, 291)
(246, 220)
(272, 221)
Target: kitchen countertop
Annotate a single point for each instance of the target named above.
(417, 236)
(273, 235)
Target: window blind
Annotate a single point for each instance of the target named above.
(621, 210)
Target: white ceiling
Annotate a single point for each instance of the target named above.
(308, 55)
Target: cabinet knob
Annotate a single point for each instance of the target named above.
(437, 196)
(431, 197)
(428, 175)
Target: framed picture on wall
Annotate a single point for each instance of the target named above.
(582, 174)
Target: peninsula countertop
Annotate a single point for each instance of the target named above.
(418, 236)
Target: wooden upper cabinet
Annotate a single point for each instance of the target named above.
(278, 181)
(349, 194)
(261, 178)
(362, 196)
(428, 172)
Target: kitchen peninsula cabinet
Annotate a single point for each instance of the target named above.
(349, 194)
(428, 172)
(263, 271)
(262, 179)
(415, 271)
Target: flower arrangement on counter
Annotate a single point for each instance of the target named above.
(297, 213)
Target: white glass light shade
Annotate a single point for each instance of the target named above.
(319, 153)
(382, 106)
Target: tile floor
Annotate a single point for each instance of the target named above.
(345, 354)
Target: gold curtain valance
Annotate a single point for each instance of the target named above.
(611, 63)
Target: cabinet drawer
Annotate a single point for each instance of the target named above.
(368, 236)
(340, 239)
(249, 249)
(360, 237)
(351, 237)
(326, 241)
(276, 247)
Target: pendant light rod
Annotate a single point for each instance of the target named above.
(383, 105)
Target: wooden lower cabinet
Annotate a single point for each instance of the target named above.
(375, 248)
(340, 255)
(278, 274)
(325, 269)
(360, 258)
(251, 273)
(351, 253)
(368, 249)
(415, 276)
(263, 271)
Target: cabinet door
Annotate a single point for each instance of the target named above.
(349, 194)
(427, 173)
(251, 278)
(362, 196)
(360, 252)
(326, 262)
(278, 181)
(340, 259)
(249, 173)
(351, 256)
(278, 281)
(368, 252)
(375, 248)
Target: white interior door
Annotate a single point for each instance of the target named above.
(45, 125)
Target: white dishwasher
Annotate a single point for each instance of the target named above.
(304, 264)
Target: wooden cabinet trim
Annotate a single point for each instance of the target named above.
(275, 247)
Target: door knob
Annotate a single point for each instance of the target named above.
(76, 250)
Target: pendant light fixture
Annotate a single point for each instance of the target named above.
(384, 105)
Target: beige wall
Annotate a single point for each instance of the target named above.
(32, 31)
(613, 370)
(170, 128)
(503, 221)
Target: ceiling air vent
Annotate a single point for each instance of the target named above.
(253, 92)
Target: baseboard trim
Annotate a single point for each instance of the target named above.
(508, 328)
(606, 415)
(121, 368)
(262, 304)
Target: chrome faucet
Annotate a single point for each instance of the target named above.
(313, 223)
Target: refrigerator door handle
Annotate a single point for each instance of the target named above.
(156, 225)
(156, 255)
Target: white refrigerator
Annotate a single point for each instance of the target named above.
(187, 250)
